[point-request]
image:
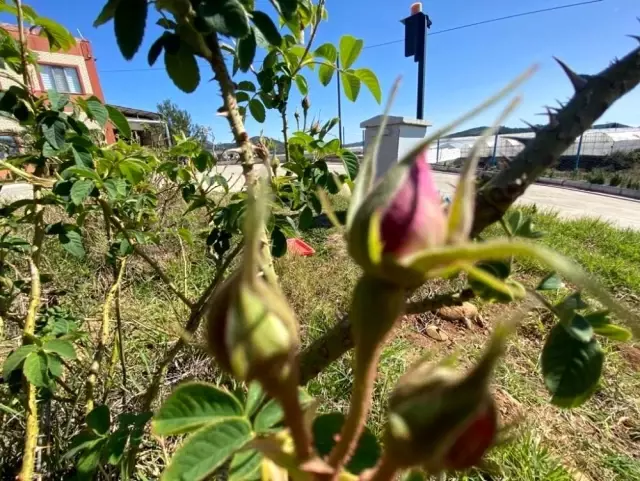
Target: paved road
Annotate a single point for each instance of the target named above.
(569, 203)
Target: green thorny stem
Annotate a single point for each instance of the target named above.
(375, 308)
(215, 58)
(31, 415)
(94, 370)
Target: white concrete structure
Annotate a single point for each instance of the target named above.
(399, 136)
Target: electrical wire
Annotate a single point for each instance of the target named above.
(430, 34)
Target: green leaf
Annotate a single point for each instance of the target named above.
(579, 328)
(81, 190)
(183, 68)
(278, 243)
(244, 465)
(257, 110)
(566, 308)
(81, 172)
(203, 161)
(54, 364)
(205, 450)
(305, 221)
(602, 326)
(350, 85)
(156, 49)
(53, 130)
(551, 282)
(59, 37)
(71, 241)
(255, 398)
(35, 369)
(247, 86)
(327, 51)
(99, 419)
(120, 121)
(84, 440)
(571, 368)
(351, 163)
(264, 23)
(302, 85)
(58, 101)
(272, 414)
(82, 156)
(129, 23)
(242, 96)
(63, 348)
(370, 80)
(325, 74)
(267, 418)
(325, 429)
(107, 13)
(133, 170)
(193, 405)
(116, 188)
(246, 51)
(226, 16)
(350, 48)
(288, 8)
(88, 462)
(16, 358)
(97, 111)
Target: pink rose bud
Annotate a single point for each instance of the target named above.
(410, 218)
(414, 219)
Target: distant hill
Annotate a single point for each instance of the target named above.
(475, 131)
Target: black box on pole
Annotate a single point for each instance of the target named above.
(415, 41)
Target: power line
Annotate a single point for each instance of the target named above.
(437, 32)
(492, 20)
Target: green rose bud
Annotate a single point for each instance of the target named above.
(441, 418)
(251, 331)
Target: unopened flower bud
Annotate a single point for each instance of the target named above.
(408, 217)
(306, 103)
(441, 418)
(251, 331)
(315, 128)
(430, 415)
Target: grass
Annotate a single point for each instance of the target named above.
(599, 439)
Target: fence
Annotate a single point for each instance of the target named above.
(587, 152)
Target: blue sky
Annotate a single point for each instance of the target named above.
(463, 67)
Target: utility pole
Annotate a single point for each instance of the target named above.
(339, 100)
(415, 44)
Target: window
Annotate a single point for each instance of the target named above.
(61, 79)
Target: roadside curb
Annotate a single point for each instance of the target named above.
(566, 183)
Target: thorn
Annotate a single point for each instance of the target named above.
(577, 81)
(637, 37)
(560, 104)
(553, 118)
(535, 128)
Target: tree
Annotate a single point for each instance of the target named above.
(179, 121)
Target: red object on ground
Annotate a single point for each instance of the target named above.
(299, 247)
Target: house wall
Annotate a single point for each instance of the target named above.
(80, 56)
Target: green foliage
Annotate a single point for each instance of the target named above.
(182, 68)
(130, 19)
(327, 427)
(571, 364)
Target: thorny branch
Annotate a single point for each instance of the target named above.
(593, 96)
